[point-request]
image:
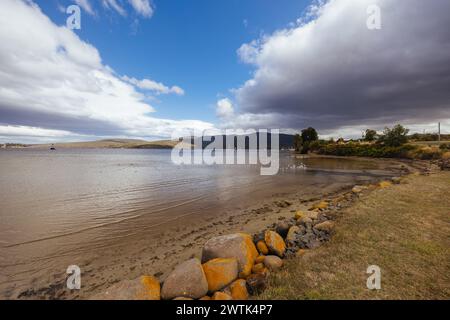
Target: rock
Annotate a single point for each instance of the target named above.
(282, 203)
(260, 259)
(275, 243)
(262, 248)
(298, 214)
(282, 228)
(187, 280)
(221, 296)
(325, 226)
(142, 288)
(300, 252)
(319, 206)
(182, 298)
(358, 189)
(385, 184)
(205, 298)
(396, 180)
(292, 235)
(238, 245)
(312, 214)
(257, 283)
(258, 268)
(220, 272)
(305, 221)
(239, 290)
(273, 262)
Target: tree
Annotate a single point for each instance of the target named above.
(394, 137)
(309, 135)
(370, 135)
(298, 142)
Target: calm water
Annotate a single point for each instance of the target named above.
(69, 203)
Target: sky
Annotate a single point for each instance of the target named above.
(152, 69)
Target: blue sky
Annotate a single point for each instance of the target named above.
(152, 69)
(191, 44)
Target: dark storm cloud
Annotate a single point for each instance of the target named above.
(335, 72)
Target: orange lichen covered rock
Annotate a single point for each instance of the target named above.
(385, 184)
(220, 272)
(186, 280)
(221, 296)
(260, 259)
(273, 262)
(299, 214)
(142, 288)
(238, 290)
(205, 298)
(275, 243)
(262, 247)
(319, 206)
(238, 245)
(258, 268)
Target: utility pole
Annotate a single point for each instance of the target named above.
(439, 131)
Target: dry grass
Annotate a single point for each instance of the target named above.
(404, 229)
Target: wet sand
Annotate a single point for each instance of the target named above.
(158, 247)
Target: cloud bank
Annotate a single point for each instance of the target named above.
(52, 82)
(330, 71)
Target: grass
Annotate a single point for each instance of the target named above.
(404, 229)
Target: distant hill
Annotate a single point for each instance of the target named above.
(111, 144)
(286, 141)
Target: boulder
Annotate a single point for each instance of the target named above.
(319, 206)
(187, 280)
(238, 245)
(257, 283)
(275, 243)
(298, 214)
(221, 296)
(273, 262)
(220, 272)
(292, 235)
(142, 288)
(325, 226)
(262, 248)
(282, 228)
(239, 290)
(260, 259)
(258, 268)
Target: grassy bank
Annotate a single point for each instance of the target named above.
(404, 229)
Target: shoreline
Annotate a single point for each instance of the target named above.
(179, 244)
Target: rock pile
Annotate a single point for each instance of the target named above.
(236, 265)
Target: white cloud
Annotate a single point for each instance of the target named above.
(143, 7)
(51, 79)
(329, 70)
(224, 108)
(86, 5)
(32, 132)
(158, 87)
(113, 4)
